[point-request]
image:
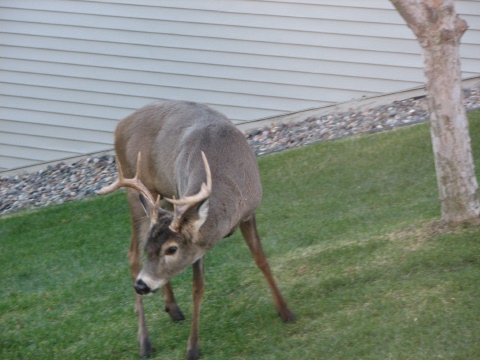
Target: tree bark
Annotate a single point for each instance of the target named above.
(439, 30)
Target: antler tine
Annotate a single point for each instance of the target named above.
(134, 183)
(116, 184)
(205, 189)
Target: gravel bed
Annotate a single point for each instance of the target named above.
(61, 182)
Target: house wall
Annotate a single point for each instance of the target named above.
(69, 70)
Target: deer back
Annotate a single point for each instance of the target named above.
(171, 136)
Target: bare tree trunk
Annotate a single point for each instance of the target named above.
(438, 30)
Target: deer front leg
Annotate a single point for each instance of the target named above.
(249, 231)
(193, 350)
(171, 306)
(139, 226)
(143, 336)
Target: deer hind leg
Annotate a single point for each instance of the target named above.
(193, 350)
(249, 231)
(139, 227)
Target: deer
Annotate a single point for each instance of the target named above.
(191, 180)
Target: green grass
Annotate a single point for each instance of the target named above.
(349, 228)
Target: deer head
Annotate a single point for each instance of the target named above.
(172, 242)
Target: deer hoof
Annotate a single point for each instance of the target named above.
(288, 316)
(175, 313)
(193, 354)
(146, 349)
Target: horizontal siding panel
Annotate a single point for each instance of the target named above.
(471, 37)
(55, 119)
(68, 96)
(174, 74)
(468, 75)
(210, 11)
(39, 148)
(473, 21)
(134, 102)
(93, 40)
(373, 4)
(468, 7)
(17, 101)
(245, 11)
(30, 154)
(297, 64)
(221, 67)
(9, 161)
(310, 49)
(323, 29)
(275, 84)
(65, 108)
(177, 83)
(471, 66)
(129, 27)
(236, 66)
(234, 13)
(471, 52)
(58, 132)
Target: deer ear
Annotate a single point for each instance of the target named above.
(190, 218)
(201, 215)
(144, 204)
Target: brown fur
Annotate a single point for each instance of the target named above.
(171, 136)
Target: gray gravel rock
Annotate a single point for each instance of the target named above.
(56, 184)
(279, 137)
(60, 183)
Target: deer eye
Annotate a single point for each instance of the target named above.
(171, 250)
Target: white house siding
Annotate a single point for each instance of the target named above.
(69, 70)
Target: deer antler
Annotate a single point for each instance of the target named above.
(182, 206)
(205, 189)
(134, 183)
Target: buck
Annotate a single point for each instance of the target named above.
(191, 180)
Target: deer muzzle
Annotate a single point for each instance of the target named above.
(145, 285)
(141, 288)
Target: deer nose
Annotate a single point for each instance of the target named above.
(141, 288)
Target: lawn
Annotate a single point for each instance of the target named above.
(351, 231)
